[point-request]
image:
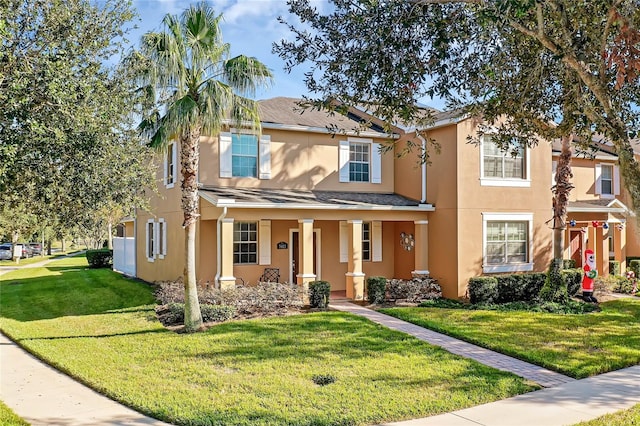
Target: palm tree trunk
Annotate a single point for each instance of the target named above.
(189, 158)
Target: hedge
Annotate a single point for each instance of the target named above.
(319, 292)
(614, 267)
(376, 289)
(102, 258)
(483, 289)
(634, 265)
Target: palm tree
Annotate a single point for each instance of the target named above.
(194, 88)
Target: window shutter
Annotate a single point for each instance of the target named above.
(376, 237)
(616, 180)
(166, 168)
(163, 248)
(156, 239)
(344, 242)
(554, 169)
(225, 155)
(265, 157)
(376, 163)
(598, 185)
(264, 239)
(343, 158)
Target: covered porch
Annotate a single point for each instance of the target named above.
(599, 225)
(311, 235)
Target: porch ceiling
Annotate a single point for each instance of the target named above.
(305, 199)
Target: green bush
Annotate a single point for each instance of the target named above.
(483, 289)
(102, 258)
(319, 292)
(634, 265)
(555, 288)
(573, 280)
(376, 289)
(519, 287)
(614, 267)
(568, 264)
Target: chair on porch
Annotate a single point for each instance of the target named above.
(270, 275)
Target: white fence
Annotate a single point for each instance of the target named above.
(124, 255)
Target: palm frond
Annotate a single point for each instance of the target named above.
(215, 102)
(245, 74)
(244, 113)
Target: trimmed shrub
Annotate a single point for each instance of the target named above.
(102, 258)
(555, 288)
(376, 289)
(210, 313)
(568, 264)
(483, 289)
(573, 280)
(414, 290)
(614, 267)
(634, 265)
(519, 287)
(319, 292)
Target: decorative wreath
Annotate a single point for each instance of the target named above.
(406, 241)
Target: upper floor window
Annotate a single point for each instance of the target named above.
(507, 242)
(170, 165)
(245, 242)
(245, 155)
(607, 183)
(359, 161)
(499, 168)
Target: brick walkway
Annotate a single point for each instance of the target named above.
(542, 376)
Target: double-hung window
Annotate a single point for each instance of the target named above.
(170, 165)
(245, 242)
(366, 240)
(359, 161)
(499, 168)
(244, 155)
(507, 242)
(606, 179)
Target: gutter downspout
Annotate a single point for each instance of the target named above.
(423, 181)
(218, 246)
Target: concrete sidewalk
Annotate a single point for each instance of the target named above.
(565, 404)
(42, 395)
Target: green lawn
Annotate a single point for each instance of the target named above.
(9, 418)
(576, 345)
(102, 329)
(630, 417)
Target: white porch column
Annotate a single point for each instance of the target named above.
(421, 248)
(620, 245)
(227, 280)
(306, 273)
(355, 276)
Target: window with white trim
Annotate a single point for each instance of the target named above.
(499, 168)
(244, 155)
(170, 165)
(150, 240)
(366, 241)
(606, 179)
(507, 242)
(359, 161)
(245, 242)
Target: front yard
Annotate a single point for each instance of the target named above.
(579, 345)
(102, 329)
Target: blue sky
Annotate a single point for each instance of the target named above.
(250, 27)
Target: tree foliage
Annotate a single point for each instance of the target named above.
(67, 144)
(537, 62)
(189, 87)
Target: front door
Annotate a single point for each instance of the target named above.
(575, 247)
(295, 255)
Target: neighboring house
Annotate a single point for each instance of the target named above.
(599, 212)
(321, 206)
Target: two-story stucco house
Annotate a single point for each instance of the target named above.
(317, 205)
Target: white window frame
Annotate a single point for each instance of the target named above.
(506, 182)
(226, 155)
(615, 180)
(257, 241)
(507, 217)
(173, 151)
(150, 240)
(375, 160)
(161, 238)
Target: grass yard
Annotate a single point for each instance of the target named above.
(576, 345)
(630, 417)
(102, 329)
(9, 418)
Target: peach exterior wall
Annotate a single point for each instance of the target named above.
(299, 160)
(455, 228)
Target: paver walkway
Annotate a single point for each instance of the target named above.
(544, 377)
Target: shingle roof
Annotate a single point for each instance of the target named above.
(305, 197)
